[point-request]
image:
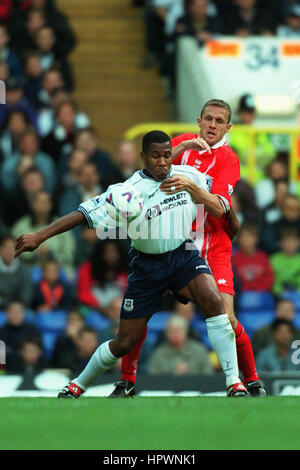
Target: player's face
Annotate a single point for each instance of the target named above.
(213, 124)
(158, 160)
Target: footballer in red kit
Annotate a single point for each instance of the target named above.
(222, 169)
(209, 153)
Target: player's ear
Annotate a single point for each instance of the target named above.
(228, 127)
(199, 122)
(142, 154)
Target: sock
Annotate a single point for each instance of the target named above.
(222, 339)
(245, 354)
(101, 360)
(130, 361)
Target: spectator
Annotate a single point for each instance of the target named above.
(179, 355)
(245, 196)
(104, 277)
(290, 218)
(15, 278)
(48, 50)
(30, 360)
(28, 22)
(155, 14)
(197, 22)
(291, 28)
(65, 354)
(86, 342)
(15, 124)
(46, 119)
(52, 292)
(59, 22)
(17, 201)
(87, 187)
(247, 19)
(277, 170)
(286, 263)
(4, 71)
(240, 140)
(251, 265)
(52, 79)
(70, 169)
(126, 158)
(60, 140)
(15, 330)
(277, 357)
(7, 55)
(86, 242)
(61, 247)
(270, 215)
(24, 28)
(34, 75)
(263, 337)
(28, 155)
(86, 139)
(15, 100)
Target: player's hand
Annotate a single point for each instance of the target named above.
(27, 242)
(175, 184)
(197, 144)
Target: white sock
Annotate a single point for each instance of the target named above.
(101, 361)
(222, 339)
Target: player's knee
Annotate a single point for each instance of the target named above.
(212, 303)
(123, 346)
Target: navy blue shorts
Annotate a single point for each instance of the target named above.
(151, 275)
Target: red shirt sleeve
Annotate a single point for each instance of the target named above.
(176, 141)
(84, 286)
(227, 175)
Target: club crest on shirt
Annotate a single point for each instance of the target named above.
(128, 305)
(209, 182)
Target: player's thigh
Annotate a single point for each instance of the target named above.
(203, 291)
(227, 301)
(129, 333)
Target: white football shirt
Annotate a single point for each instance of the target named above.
(166, 220)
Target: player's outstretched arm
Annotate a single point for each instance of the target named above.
(210, 201)
(193, 144)
(31, 241)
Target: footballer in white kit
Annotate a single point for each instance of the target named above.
(157, 262)
(159, 258)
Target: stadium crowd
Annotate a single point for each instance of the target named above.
(58, 302)
(168, 20)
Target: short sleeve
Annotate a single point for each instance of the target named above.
(94, 211)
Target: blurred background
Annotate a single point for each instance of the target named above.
(84, 81)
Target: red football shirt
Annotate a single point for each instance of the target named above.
(222, 170)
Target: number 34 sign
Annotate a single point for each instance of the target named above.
(255, 53)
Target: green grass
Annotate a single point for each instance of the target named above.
(150, 423)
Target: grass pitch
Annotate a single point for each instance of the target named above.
(146, 423)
